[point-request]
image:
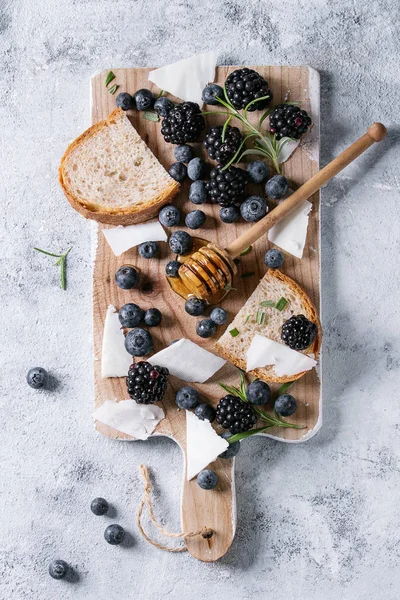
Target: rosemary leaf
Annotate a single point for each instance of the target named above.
(113, 89)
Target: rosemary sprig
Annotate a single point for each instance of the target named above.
(265, 145)
(271, 420)
(62, 262)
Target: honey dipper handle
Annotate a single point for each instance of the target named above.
(375, 133)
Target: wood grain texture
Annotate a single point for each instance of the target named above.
(215, 509)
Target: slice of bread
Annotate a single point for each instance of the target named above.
(109, 174)
(273, 286)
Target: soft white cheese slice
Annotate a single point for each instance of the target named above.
(188, 361)
(263, 351)
(187, 78)
(128, 417)
(203, 445)
(115, 361)
(290, 233)
(287, 151)
(122, 238)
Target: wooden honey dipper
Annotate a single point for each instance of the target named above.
(211, 268)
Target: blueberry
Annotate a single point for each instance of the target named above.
(233, 449)
(183, 153)
(114, 534)
(197, 192)
(205, 412)
(172, 268)
(152, 317)
(163, 105)
(180, 242)
(254, 208)
(210, 93)
(197, 169)
(169, 216)
(178, 171)
(195, 306)
(274, 259)
(37, 378)
(58, 569)
(219, 316)
(130, 315)
(143, 99)
(258, 392)
(127, 277)
(206, 328)
(99, 506)
(258, 171)
(148, 249)
(195, 219)
(139, 342)
(124, 101)
(285, 405)
(187, 397)
(207, 479)
(229, 214)
(276, 187)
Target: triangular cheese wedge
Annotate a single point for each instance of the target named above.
(264, 352)
(187, 78)
(203, 444)
(115, 361)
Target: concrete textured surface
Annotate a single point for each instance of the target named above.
(316, 521)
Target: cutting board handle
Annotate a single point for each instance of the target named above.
(375, 133)
(214, 510)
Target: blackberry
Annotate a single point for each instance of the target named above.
(244, 86)
(222, 151)
(146, 383)
(298, 332)
(288, 120)
(235, 415)
(183, 123)
(227, 188)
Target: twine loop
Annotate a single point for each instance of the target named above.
(205, 532)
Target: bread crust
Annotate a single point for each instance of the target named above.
(129, 216)
(311, 314)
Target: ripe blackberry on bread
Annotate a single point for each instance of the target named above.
(272, 287)
(110, 175)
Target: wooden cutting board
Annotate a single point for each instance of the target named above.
(214, 509)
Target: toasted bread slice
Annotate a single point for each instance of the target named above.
(273, 286)
(109, 174)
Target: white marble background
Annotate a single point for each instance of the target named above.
(316, 521)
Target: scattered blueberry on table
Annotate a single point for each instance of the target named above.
(172, 268)
(143, 99)
(99, 506)
(205, 411)
(37, 378)
(58, 569)
(114, 534)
